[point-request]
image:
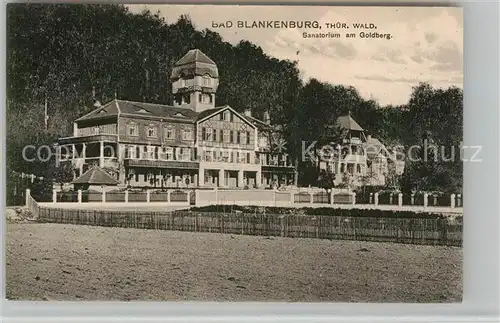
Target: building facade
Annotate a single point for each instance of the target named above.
(359, 159)
(191, 143)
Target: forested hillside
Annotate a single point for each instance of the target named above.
(60, 54)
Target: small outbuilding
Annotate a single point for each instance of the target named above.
(95, 179)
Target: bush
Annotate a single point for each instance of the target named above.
(316, 211)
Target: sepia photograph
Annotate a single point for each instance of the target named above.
(234, 153)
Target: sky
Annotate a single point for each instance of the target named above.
(426, 43)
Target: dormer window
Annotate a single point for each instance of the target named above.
(152, 132)
(187, 135)
(169, 133)
(132, 130)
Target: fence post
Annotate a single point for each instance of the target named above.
(282, 223)
(27, 197)
(376, 198)
(126, 196)
(400, 199)
(168, 196)
(435, 200)
(390, 198)
(370, 201)
(331, 197)
(412, 198)
(459, 200)
(452, 201)
(148, 196)
(103, 196)
(426, 199)
(54, 195)
(311, 196)
(292, 198)
(353, 198)
(189, 197)
(79, 196)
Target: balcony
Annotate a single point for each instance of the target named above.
(159, 163)
(352, 140)
(89, 138)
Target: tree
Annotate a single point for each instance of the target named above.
(326, 180)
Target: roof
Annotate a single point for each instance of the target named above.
(115, 107)
(206, 113)
(193, 56)
(195, 62)
(96, 176)
(210, 112)
(347, 122)
(374, 147)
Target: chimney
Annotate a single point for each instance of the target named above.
(267, 118)
(248, 112)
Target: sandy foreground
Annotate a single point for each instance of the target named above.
(70, 262)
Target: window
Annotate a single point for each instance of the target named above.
(221, 116)
(243, 137)
(225, 136)
(358, 168)
(138, 154)
(205, 98)
(248, 138)
(221, 135)
(227, 116)
(150, 152)
(238, 137)
(248, 158)
(187, 135)
(169, 133)
(132, 130)
(231, 136)
(152, 131)
(207, 81)
(342, 168)
(208, 155)
(208, 134)
(214, 131)
(225, 156)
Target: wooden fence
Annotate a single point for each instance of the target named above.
(442, 231)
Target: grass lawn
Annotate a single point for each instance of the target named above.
(70, 262)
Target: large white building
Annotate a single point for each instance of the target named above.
(192, 143)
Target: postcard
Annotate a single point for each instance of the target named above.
(234, 153)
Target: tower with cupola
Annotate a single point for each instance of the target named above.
(195, 79)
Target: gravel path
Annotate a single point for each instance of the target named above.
(69, 262)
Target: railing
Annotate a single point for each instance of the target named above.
(420, 199)
(82, 196)
(262, 197)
